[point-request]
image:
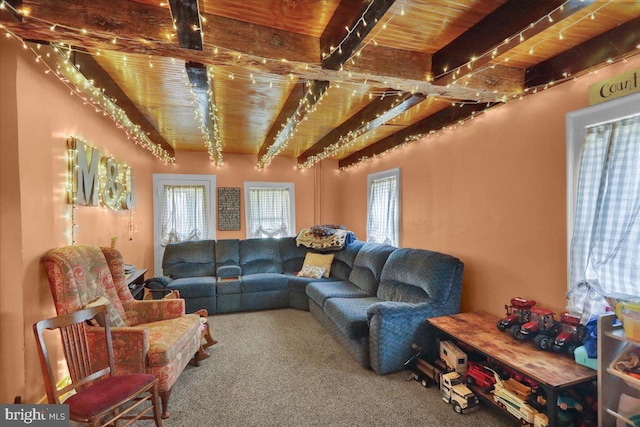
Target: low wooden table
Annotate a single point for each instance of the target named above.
(554, 372)
(135, 281)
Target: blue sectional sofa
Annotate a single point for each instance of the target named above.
(374, 302)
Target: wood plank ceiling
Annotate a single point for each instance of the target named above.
(309, 79)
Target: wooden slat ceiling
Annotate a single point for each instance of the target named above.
(371, 72)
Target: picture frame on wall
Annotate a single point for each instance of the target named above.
(229, 208)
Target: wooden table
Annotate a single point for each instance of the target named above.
(554, 372)
(135, 281)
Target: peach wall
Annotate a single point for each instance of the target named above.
(237, 168)
(38, 117)
(491, 192)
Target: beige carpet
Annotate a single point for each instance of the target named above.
(281, 368)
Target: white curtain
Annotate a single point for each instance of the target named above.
(382, 211)
(184, 214)
(270, 212)
(605, 248)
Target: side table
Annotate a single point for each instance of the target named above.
(135, 281)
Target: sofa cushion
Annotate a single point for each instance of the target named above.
(261, 282)
(189, 259)
(300, 283)
(190, 287)
(227, 252)
(292, 255)
(368, 264)
(260, 256)
(344, 259)
(320, 291)
(228, 271)
(350, 315)
(433, 277)
(167, 338)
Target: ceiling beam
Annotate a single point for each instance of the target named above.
(375, 114)
(611, 44)
(94, 72)
(498, 32)
(106, 25)
(8, 13)
(200, 86)
(338, 48)
(445, 117)
(313, 93)
(186, 18)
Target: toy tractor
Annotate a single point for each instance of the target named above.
(571, 334)
(541, 327)
(518, 313)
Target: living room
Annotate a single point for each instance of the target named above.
(491, 191)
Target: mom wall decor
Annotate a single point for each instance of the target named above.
(94, 180)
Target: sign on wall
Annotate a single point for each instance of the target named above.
(96, 180)
(228, 208)
(615, 87)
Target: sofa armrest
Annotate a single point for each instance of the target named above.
(130, 348)
(153, 310)
(395, 308)
(159, 282)
(393, 328)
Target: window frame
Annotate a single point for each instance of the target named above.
(395, 172)
(577, 123)
(290, 186)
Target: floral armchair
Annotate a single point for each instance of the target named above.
(154, 336)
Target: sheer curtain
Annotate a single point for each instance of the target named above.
(605, 248)
(184, 214)
(382, 215)
(270, 212)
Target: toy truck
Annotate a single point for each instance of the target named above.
(571, 334)
(453, 357)
(542, 328)
(516, 405)
(480, 376)
(518, 313)
(450, 383)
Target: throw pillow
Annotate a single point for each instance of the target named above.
(319, 260)
(115, 321)
(312, 271)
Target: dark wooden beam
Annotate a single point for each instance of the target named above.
(507, 22)
(313, 92)
(199, 80)
(12, 11)
(609, 45)
(93, 71)
(347, 42)
(446, 117)
(378, 112)
(289, 108)
(186, 17)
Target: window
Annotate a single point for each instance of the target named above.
(383, 207)
(270, 209)
(184, 213)
(183, 207)
(603, 202)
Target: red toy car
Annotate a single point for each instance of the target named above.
(477, 374)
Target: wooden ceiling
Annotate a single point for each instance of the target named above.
(309, 79)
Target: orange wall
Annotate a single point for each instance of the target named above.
(240, 168)
(492, 192)
(38, 115)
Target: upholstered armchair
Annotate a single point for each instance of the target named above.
(153, 336)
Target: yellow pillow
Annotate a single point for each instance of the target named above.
(319, 260)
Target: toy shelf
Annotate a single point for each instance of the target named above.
(553, 372)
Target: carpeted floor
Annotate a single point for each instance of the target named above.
(281, 368)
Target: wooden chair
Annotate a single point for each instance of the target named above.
(101, 397)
